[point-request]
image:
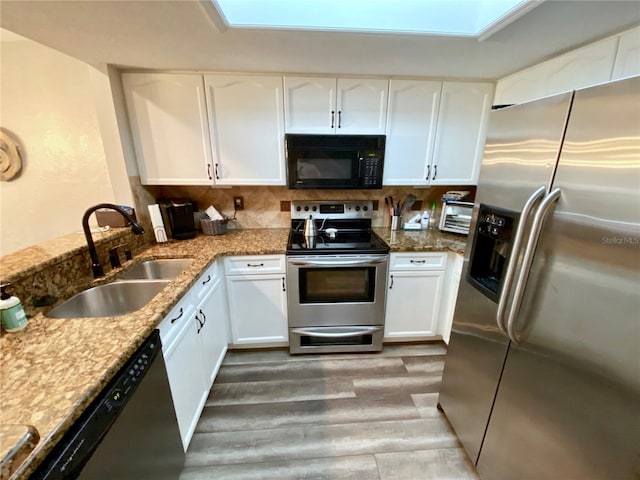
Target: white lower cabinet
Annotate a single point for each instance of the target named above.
(414, 295)
(194, 341)
(450, 295)
(257, 300)
(213, 318)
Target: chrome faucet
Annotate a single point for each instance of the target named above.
(136, 228)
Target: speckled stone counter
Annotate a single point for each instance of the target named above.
(422, 240)
(53, 369)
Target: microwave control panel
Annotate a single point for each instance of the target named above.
(370, 169)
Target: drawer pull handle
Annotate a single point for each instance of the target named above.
(418, 261)
(391, 284)
(173, 320)
(255, 265)
(207, 280)
(283, 287)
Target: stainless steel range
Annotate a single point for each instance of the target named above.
(336, 278)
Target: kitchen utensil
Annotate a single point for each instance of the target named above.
(408, 202)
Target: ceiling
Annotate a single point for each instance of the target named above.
(190, 35)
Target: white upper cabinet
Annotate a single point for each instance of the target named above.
(322, 105)
(247, 129)
(411, 127)
(310, 104)
(522, 86)
(170, 130)
(461, 132)
(436, 132)
(362, 106)
(627, 62)
(609, 59)
(581, 68)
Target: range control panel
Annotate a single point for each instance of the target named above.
(347, 209)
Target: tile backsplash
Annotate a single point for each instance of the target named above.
(262, 204)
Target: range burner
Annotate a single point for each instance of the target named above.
(343, 228)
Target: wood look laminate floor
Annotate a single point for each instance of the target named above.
(341, 416)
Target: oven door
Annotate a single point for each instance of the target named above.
(336, 290)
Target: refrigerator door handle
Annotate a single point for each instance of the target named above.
(529, 251)
(515, 253)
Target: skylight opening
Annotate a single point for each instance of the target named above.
(422, 17)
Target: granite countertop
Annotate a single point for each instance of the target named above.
(422, 240)
(52, 370)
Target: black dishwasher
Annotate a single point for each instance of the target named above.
(128, 432)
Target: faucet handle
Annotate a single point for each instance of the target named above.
(114, 256)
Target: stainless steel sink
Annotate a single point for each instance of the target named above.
(110, 300)
(162, 268)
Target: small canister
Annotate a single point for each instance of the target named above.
(13, 317)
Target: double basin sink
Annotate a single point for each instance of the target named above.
(130, 291)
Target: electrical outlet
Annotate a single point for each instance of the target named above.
(238, 203)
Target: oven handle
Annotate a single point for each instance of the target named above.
(353, 333)
(337, 263)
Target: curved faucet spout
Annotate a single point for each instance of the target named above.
(136, 228)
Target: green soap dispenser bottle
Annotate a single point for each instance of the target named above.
(13, 316)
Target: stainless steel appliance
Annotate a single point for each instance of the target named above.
(456, 217)
(129, 432)
(336, 279)
(335, 161)
(542, 373)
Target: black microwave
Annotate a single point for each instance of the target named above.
(335, 161)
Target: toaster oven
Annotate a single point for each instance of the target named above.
(456, 217)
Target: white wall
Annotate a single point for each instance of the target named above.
(47, 103)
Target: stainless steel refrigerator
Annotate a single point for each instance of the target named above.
(542, 374)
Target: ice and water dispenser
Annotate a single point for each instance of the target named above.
(491, 249)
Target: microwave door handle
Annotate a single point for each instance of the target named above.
(337, 263)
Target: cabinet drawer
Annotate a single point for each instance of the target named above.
(205, 282)
(175, 319)
(418, 261)
(262, 264)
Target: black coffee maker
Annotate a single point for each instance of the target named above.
(177, 215)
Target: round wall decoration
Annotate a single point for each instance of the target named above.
(10, 159)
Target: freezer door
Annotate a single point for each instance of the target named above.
(522, 147)
(568, 402)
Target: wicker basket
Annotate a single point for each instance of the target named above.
(214, 227)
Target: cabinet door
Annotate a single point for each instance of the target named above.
(310, 105)
(258, 308)
(461, 132)
(213, 318)
(247, 129)
(362, 106)
(170, 128)
(450, 295)
(581, 68)
(627, 63)
(413, 304)
(522, 86)
(186, 375)
(411, 126)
